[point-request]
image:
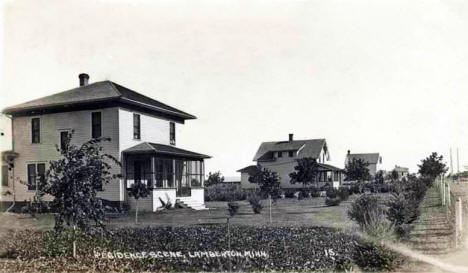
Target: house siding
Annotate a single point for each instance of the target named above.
(45, 151)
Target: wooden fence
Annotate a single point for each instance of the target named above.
(455, 208)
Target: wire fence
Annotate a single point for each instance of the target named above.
(456, 208)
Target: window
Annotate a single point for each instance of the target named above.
(172, 133)
(136, 126)
(63, 139)
(96, 130)
(36, 130)
(291, 153)
(336, 176)
(280, 154)
(36, 173)
(5, 176)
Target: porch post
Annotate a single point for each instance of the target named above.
(153, 172)
(174, 183)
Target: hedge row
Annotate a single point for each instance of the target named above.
(287, 248)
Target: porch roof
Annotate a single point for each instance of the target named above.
(148, 147)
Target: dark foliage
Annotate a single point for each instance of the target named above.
(343, 193)
(255, 202)
(305, 171)
(73, 181)
(288, 249)
(404, 205)
(364, 209)
(329, 201)
(432, 166)
(356, 170)
(233, 207)
(214, 178)
(268, 182)
(221, 192)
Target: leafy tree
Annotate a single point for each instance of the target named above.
(306, 171)
(73, 181)
(379, 177)
(214, 178)
(393, 175)
(432, 166)
(357, 170)
(268, 181)
(138, 190)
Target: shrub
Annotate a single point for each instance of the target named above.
(355, 189)
(343, 193)
(331, 193)
(255, 202)
(289, 193)
(332, 201)
(233, 207)
(222, 192)
(363, 210)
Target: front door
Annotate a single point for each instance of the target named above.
(183, 187)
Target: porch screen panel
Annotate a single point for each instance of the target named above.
(194, 174)
(169, 173)
(159, 168)
(181, 174)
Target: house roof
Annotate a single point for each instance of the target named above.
(371, 158)
(248, 169)
(326, 167)
(104, 91)
(148, 147)
(306, 148)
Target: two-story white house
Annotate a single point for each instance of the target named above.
(374, 160)
(281, 157)
(143, 137)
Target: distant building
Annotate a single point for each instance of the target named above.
(281, 157)
(401, 171)
(232, 180)
(373, 159)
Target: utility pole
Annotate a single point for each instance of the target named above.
(451, 162)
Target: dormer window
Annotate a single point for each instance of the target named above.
(291, 153)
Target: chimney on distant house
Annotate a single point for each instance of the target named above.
(83, 79)
(349, 152)
(291, 137)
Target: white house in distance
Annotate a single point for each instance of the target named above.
(5, 146)
(281, 157)
(373, 159)
(143, 138)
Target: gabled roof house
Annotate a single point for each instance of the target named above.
(373, 159)
(143, 137)
(281, 157)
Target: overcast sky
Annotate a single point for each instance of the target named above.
(369, 76)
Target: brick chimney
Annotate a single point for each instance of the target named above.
(291, 137)
(83, 79)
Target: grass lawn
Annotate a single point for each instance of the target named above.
(286, 212)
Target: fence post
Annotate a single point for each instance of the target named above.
(443, 193)
(448, 195)
(460, 214)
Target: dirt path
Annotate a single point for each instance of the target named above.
(432, 234)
